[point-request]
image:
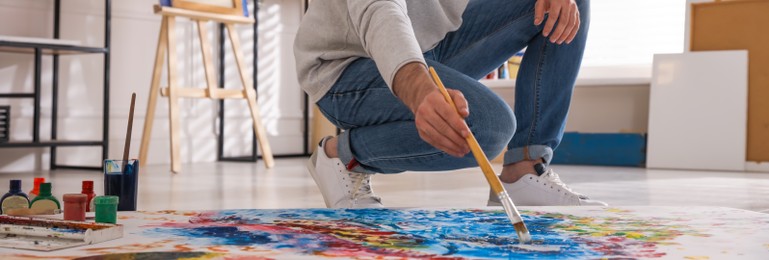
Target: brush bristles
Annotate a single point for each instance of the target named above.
(522, 231)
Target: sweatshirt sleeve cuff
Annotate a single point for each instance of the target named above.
(390, 77)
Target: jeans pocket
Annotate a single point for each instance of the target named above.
(330, 115)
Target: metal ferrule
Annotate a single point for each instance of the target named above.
(507, 204)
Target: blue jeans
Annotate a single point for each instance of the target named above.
(379, 129)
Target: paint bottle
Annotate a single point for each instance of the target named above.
(492, 75)
(74, 206)
(106, 209)
(36, 188)
(15, 198)
(88, 191)
(45, 201)
(503, 72)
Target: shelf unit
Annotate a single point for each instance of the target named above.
(54, 49)
(618, 75)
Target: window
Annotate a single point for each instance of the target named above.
(630, 32)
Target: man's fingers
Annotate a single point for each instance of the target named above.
(573, 17)
(428, 135)
(539, 11)
(451, 125)
(440, 125)
(460, 102)
(573, 33)
(569, 28)
(552, 17)
(564, 19)
(436, 138)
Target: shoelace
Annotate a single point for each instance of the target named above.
(553, 177)
(362, 188)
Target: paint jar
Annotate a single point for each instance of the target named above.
(106, 209)
(88, 191)
(121, 179)
(36, 187)
(45, 202)
(74, 206)
(14, 199)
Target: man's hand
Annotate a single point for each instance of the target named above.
(565, 12)
(436, 120)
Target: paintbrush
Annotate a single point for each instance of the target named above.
(488, 172)
(127, 146)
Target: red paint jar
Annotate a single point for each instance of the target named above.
(88, 191)
(74, 206)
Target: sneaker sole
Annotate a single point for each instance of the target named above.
(310, 164)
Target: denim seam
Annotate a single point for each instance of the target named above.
(484, 38)
(404, 157)
(537, 90)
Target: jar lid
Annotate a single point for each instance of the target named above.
(75, 197)
(87, 185)
(105, 200)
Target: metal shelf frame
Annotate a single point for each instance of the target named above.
(40, 49)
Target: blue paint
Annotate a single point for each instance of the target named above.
(68, 230)
(225, 235)
(453, 233)
(613, 149)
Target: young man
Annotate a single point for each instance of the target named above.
(364, 63)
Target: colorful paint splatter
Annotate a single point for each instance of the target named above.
(558, 232)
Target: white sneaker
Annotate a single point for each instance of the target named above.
(544, 190)
(341, 188)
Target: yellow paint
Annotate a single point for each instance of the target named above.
(207, 256)
(616, 210)
(634, 235)
(601, 233)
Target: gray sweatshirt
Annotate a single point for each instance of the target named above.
(334, 33)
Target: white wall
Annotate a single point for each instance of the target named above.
(603, 109)
(134, 38)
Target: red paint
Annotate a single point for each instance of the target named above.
(74, 206)
(36, 187)
(88, 191)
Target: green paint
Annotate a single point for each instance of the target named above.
(45, 200)
(106, 209)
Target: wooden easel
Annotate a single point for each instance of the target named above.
(167, 45)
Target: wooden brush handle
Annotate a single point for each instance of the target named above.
(480, 156)
(127, 146)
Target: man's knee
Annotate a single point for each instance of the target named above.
(494, 128)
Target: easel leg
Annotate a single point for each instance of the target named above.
(173, 98)
(250, 94)
(153, 96)
(208, 65)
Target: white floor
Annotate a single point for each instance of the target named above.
(249, 185)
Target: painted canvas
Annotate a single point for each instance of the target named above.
(557, 232)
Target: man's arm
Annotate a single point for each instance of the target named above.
(436, 120)
(387, 35)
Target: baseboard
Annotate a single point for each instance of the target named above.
(757, 166)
